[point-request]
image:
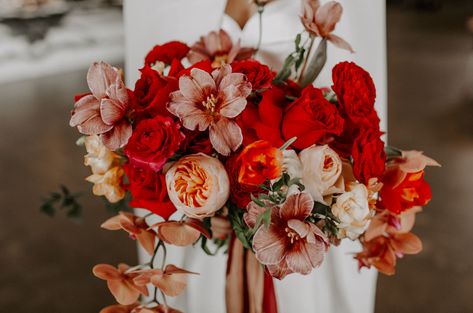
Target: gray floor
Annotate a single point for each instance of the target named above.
(45, 263)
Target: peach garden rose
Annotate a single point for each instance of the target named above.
(198, 185)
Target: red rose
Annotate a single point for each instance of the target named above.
(263, 121)
(148, 189)
(312, 119)
(259, 75)
(399, 197)
(368, 154)
(356, 93)
(166, 53)
(195, 142)
(154, 141)
(240, 194)
(151, 94)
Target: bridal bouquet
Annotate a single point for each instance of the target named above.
(230, 154)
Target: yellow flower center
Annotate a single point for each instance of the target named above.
(220, 60)
(192, 184)
(293, 236)
(210, 103)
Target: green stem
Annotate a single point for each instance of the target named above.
(309, 51)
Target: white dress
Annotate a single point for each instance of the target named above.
(337, 286)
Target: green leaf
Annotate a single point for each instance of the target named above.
(315, 64)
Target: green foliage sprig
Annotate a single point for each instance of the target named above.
(63, 200)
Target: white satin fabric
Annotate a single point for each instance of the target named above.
(337, 286)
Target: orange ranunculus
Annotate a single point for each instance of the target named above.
(259, 161)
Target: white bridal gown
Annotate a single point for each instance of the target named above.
(337, 286)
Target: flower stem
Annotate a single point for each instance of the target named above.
(309, 51)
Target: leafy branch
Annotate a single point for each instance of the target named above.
(63, 200)
(292, 62)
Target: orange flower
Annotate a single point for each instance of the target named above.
(109, 184)
(120, 283)
(171, 281)
(135, 226)
(259, 161)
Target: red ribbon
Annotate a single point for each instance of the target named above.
(249, 288)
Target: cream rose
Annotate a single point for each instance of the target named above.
(352, 209)
(198, 185)
(321, 171)
(98, 157)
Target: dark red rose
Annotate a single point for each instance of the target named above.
(240, 194)
(259, 75)
(148, 189)
(263, 121)
(166, 53)
(154, 141)
(369, 159)
(312, 119)
(195, 142)
(356, 94)
(151, 94)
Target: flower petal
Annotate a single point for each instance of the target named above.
(146, 240)
(123, 291)
(269, 246)
(189, 113)
(327, 16)
(225, 136)
(178, 233)
(297, 206)
(252, 212)
(111, 112)
(298, 259)
(196, 87)
(112, 223)
(407, 243)
(105, 272)
(84, 109)
(340, 42)
(170, 284)
(99, 78)
(300, 227)
(118, 136)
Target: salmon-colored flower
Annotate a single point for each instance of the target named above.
(290, 244)
(99, 158)
(217, 46)
(212, 101)
(104, 111)
(135, 226)
(181, 233)
(171, 281)
(259, 162)
(109, 184)
(198, 185)
(120, 283)
(387, 238)
(320, 21)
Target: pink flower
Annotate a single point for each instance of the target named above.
(290, 244)
(181, 233)
(320, 21)
(103, 112)
(212, 101)
(120, 283)
(135, 226)
(218, 48)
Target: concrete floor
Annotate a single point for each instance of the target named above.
(45, 263)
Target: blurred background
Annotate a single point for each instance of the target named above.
(45, 49)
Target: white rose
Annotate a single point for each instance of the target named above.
(352, 209)
(198, 185)
(321, 171)
(98, 157)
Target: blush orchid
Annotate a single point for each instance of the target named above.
(104, 111)
(290, 244)
(320, 21)
(120, 283)
(171, 281)
(212, 102)
(181, 233)
(135, 226)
